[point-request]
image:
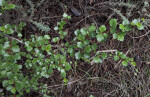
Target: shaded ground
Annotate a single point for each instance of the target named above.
(108, 79)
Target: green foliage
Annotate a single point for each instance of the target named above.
(42, 58)
(113, 23)
(60, 26)
(6, 6)
(136, 22)
(97, 59)
(123, 28)
(92, 28)
(102, 28)
(125, 60)
(91, 96)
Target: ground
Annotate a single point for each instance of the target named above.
(109, 79)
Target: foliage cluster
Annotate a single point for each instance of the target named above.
(25, 61)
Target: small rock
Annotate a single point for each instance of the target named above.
(1, 90)
(75, 11)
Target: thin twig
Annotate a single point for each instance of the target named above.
(13, 38)
(142, 35)
(16, 39)
(63, 84)
(90, 78)
(106, 51)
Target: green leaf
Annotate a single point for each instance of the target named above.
(91, 96)
(65, 80)
(56, 28)
(113, 23)
(5, 83)
(6, 45)
(102, 28)
(134, 22)
(46, 37)
(125, 22)
(68, 17)
(104, 55)
(78, 55)
(43, 48)
(20, 66)
(50, 70)
(116, 58)
(67, 66)
(3, 73)
(63, 73)
(115, 36)
(29, 48)
(55, 39)
(92, 28)
(77, 32)
(64, 33)
(63, 59)
(83, 31)
(123, 56)
(1, 2)
(13, 90)
(27, 90)
(15, 48)
(128, 28)
(122, 33)
(22, 24)
(43, 73)
(19, 35)
(11, 6)
(120, 37)
(80, 44)
(92, 34)
(105, 35)
(133, 63)
(62, 23)
(2, 28)
(81, 37)
(124, 63)
(70, 50)
(86, 55)
(113, 30)
(67, 44)
(94, 46)
(10, 31)
(3, 65)
(140, 26)
(122, 27)
(18, 85)
(87, 49)
(86, 42)
(120, 53)
(65, 15)
(9, 88)
(99, 37)
(15, 68)
(17, 56)
(29, 56)
(48, 47)
(97, 59)
(11, 81)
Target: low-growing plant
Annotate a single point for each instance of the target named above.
(5, 5)
(25, 61)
